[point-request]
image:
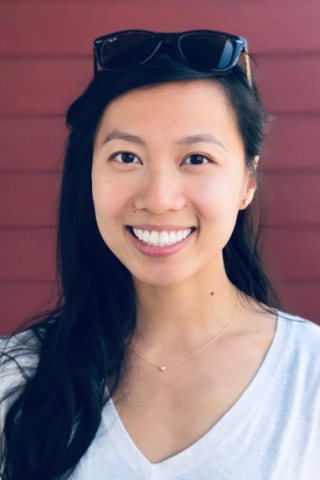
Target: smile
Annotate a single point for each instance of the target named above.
(161, 239)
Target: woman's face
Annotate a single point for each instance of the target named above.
(168, 180)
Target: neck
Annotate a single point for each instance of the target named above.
(196, 308)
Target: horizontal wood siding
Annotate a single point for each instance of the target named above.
(27, 82)
(66, 28)
(45, 60)
(27, 254)
(21, 300)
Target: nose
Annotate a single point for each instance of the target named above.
(161, 191)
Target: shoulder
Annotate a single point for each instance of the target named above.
(18, 359)
(299, 340)
(302, 331)
(18, 362)
(19, 344)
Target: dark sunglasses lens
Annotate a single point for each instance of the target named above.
(125, 51)
(207, 51)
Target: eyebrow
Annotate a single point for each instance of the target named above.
(128, 137)
(189, 140)
(202, 138)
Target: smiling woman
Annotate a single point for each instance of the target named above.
(148, 174)
(173, 360)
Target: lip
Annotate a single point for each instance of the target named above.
(160, 228)
(159, 252)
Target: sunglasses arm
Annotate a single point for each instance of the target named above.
(95, 65)
(247, 67)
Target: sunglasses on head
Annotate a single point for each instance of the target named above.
(206, 50)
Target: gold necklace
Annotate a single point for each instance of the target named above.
(163, 368)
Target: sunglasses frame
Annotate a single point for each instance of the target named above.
(240, 49)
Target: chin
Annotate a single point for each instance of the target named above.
(163, 277)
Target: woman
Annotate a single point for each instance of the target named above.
(165, 357)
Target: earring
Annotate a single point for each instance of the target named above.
(246, 201)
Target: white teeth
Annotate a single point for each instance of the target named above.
(154, 238)
(173, 237)
(146, 236)
(161, 239)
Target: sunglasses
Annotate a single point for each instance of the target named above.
(201, 49)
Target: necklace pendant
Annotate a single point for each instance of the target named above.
(162, 368)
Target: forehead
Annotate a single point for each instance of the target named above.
(171, 110)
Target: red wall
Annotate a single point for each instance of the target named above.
(45, 62)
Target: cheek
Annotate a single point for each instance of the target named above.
(112, 204)
(218, 196)
(107, 199)
(218, 208)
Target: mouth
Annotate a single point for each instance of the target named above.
(161, 239)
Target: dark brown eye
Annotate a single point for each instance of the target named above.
(196, 159)
(126, 157)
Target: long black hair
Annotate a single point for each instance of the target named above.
(56, 411)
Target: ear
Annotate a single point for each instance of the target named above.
(251, 186)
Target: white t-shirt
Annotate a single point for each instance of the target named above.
(271, 433)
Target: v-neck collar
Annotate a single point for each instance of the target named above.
(198, 451)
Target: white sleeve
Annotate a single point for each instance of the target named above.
(17, 362)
